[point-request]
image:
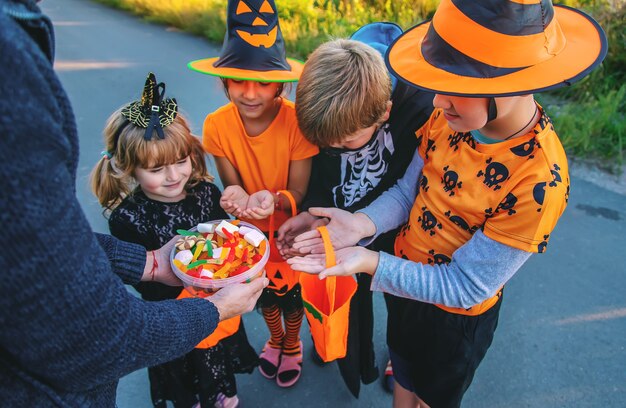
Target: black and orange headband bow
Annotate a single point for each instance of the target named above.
(152, 112)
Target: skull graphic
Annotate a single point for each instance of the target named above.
(450, 181)
(495, 174)
(428, 221)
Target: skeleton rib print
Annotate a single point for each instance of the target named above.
(362, 171)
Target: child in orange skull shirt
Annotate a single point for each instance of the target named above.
(485, 189)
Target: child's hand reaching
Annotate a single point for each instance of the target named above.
(349, 261)
(345, 230)
(260, 205)
(237, 202)
(293, 227)
(234, 200)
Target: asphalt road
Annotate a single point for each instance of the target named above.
(561, 341)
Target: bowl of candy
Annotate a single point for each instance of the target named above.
(219, 253)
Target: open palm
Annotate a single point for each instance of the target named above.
(260, 205)
(234, 200)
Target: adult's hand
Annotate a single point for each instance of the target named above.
(239, 298)
(349, 261)
(345, 229)
(293, 227)
(161, 270)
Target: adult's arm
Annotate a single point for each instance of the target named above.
(127, 259)
(66, 318)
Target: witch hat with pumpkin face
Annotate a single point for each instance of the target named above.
(494, 48)
(253, 47)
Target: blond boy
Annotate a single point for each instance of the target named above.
(363, 120)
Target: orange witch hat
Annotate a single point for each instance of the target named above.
(492, 48)
(254, 48)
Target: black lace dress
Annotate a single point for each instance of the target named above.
(202, 373)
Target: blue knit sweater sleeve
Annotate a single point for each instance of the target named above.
(69, 326)
(127, 259)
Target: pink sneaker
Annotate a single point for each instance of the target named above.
(226, 402)
(289, 369)
(269, 360)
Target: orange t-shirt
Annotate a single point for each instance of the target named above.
(515, 191)
(262, 161)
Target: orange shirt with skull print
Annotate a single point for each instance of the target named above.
(515, 191)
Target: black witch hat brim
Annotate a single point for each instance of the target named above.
(207, 66)
(503, 71)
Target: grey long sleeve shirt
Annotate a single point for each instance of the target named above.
(477, 271)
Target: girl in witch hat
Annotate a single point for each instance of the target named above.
(263, 161)
(154, 180)
(492, 178)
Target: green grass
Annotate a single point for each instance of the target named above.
(305, 24)
(594, 129)
(589, 116)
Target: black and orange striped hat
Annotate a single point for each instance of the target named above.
(492, 48)
(254, 48)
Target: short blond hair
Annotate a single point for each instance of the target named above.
(344, 87)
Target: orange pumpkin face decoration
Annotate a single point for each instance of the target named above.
(254, 48)
(262, 20)
(253, 40)
(281, 277)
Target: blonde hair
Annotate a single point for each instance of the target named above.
(112, 178)
(344, 87)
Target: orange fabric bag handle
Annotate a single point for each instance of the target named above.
(294, 212)
(331, 281)
(328, 246)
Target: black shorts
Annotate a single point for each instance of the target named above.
(437, 351)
